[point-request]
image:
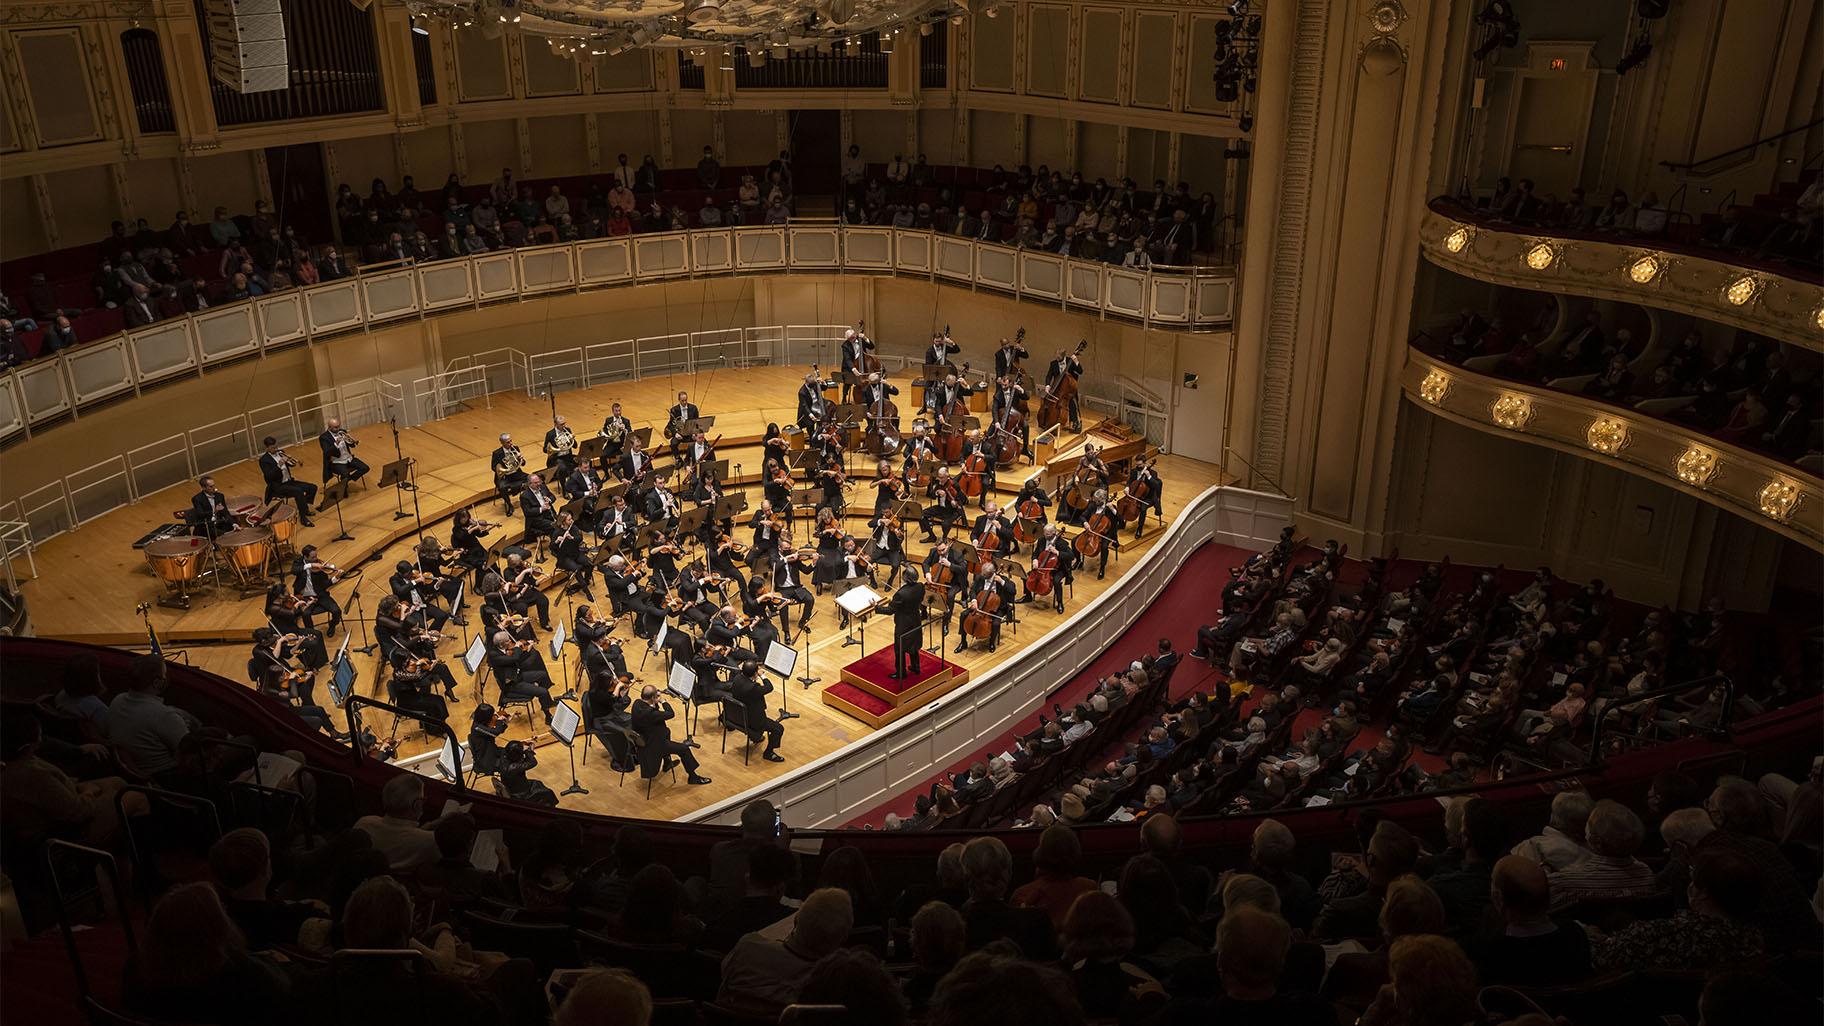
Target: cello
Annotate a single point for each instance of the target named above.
(1054, 408)
(986, 550)
(939, 578)
(1028, 512)
(978, 622)
(1136, 495)
(1007, 436)
(975, 472)
(1039, 580)
(1075, 496)
(1095, 534)
(950, 436)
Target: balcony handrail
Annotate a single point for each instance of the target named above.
(1721, 729)
(1744, 148)
(1252, 470)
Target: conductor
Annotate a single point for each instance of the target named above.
(908, 605)
(649, 722)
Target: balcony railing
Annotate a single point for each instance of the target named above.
(1646, 270)
(1754, 486)
(46, 390)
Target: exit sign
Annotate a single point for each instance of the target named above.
(1558, 64)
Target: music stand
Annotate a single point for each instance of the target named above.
(691, 520)
(809, 496)
(687, 428)
(854, 597)
(939, 605)
(591, 449)
(717, 469)
(730, 506)
(803, 458)
(643, 534)
(397, 476)
(781, 660)
(644, 434)
(933, 372)
(332, 496)
(610, 548)
(574, 507)
(564, 723)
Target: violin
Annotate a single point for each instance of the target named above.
(1039, 581)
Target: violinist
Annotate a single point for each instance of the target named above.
(774, 446)
(887, 544)
(539, 507)
(710, 689)
(725, 555)
(411, 688)
(509, 466)
(941, 349)
(988, 587)
(700, 450)
(289, 613)
(889, 488)
(1008, 356)
(1029, 506)
(681, 411)
(310, 581)
(943, 504)
(619, 520)
(1100, 507)
(465, 537)
(610, 712)
(776, 488)
(604, 665)
(588, 626)
(908, 606)
(662, 507)
(829, 538)
(1145, 477)
(522, 592)
(758, 603)
(560, 449)
(616, 429)
(415, 589)
(649, 722)
(650, 608)
(748, 689)
(431, 559)
(727, 630)
(620, 582)
(693, 595)
(520, 671)
(982, 469)
(832, 442)
(941, 554)
(788, 581)
(516, 760)
(662, 558)
(269, 667)
(485, 728)
(1009, 399)
(831, 480)
(768, 532)
(567, 546)
(1052, 548)
(1061, 364)
(852, 565)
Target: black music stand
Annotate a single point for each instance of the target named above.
(333, 494)
(397, 475)
(808, 496)
(691, 520)
(730, 506)
(938, 606)
(591, 449)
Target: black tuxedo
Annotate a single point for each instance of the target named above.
(1006, 356)
(350, 469)
(507, 484)
(810, 405)
(939, 352)
(751, 694)
(633, 465)
(908, 606)
(314, 585)
(788, 581)
(209, 514)
(540, 509)
(281, 485)
(649, 721)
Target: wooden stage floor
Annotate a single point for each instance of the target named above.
(91, 579)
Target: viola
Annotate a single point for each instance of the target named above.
(1039, 581)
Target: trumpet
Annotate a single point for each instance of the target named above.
(288, 459)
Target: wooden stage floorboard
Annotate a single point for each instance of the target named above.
(91, 579)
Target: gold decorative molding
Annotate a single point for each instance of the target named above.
(1751, 485)
(1629, 270)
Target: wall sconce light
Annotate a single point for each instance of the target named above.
(1741, 290)
(1540, 256)
(1607, 435)
(1780, 498)
(1435, 387)
(1511, 411)
(1696, 466)
(1644, 270)
(1457, 239)
(1817, 318)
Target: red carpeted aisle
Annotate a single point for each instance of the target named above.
(1188, 602)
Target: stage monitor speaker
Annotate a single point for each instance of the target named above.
(247, 44)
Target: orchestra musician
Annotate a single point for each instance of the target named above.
(855, 347)
(269, 667)
(748, 689)
(683, 410)
(1010, 395)
(1092, 474)
(1063, 363)
(585, 484)
(940, 396)
(874, 392)
(908, 606)
(1031, 503)
(616, 429)
(539, 507)
(1099, 504)
(310, 581)
(662, 558)
(942, 553)
(560, 449)
(700, 450)
(776, 489)
(276, 466)
(975, 444)
(522, 594)
(851, 565)
(662, 507)
(992, 582)
(887, 543)
(727, 630)
(812, 406)
(941, 348)
(992, 519)
(610, 706)
(620, 520)
(620, 582)
(831, 482)
(338, 455)
(567, 546)
(432, 558)
(209, 513)
(587, 627)
(634, 466)
(649, 722)
(768, 527)
(788, 581)
(695, 606)
(701, 487)
(1146, 474)
(943, 504)
(509, 466)
(289, 613)
(1011, 352)
(465, 537)
(410, 587)
(520, 671)
(725, 555)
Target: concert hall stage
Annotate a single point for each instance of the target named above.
(868, 692)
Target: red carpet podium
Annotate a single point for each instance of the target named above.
(867, 693)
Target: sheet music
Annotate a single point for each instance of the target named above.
(682, 682)
(558, 636)
(564, 721)
(781, 659)
(475, 656)
(857, 600)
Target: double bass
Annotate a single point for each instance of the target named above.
(1054, 409)
(978, 622)
(1039, 580)
(883, 427)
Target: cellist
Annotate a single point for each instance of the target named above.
(1053, 549)
(941, 555)
(1030, 505)
(992, 596)
(979, 473)
(992, 523)
(1145, 477)
(1099, 506)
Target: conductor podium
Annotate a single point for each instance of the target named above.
(868, 692)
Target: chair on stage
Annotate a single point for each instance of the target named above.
(734, 715)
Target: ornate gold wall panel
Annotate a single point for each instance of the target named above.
(1763, 490)
(1631, 271)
